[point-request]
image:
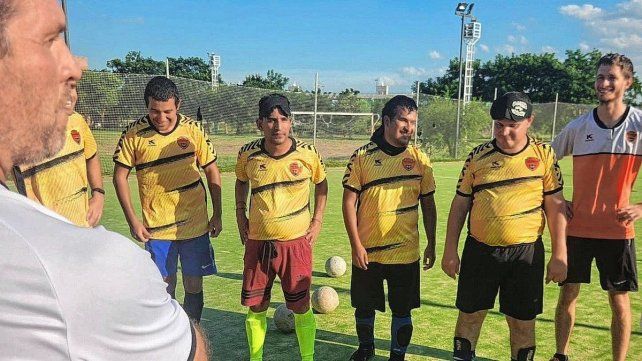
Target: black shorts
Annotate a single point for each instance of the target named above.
(517, 272)
(366, 287)
(615, 260)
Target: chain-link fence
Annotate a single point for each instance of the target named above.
(336, 123)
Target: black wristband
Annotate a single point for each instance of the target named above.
(99, 190)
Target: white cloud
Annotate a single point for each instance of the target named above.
(505, 49)
(523, 40)
(413, 71)
(584, 46)
(484, 48)
(435, 55)
(518, 26)
(584, 12)
(511, 38)
(548, 49)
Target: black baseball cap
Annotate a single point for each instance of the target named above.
(515, 106)
(269, 102)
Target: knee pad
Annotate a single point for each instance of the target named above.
(526, 354)
(404, 334)
(462, 349)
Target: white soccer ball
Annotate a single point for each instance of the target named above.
(325, 299)
(335, 266)
(283, 319)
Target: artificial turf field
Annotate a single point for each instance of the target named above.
(434, 322)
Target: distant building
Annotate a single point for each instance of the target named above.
(382, 88)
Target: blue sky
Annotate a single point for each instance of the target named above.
(350, 43)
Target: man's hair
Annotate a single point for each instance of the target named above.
(6, 11)
(162, 89)
(620, 60)
(396, 104)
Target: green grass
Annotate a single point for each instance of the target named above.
(434, 322)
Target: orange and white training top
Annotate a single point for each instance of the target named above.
(606, 162)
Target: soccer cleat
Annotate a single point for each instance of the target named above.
(560, 357)
(396, 357)
(362, 354)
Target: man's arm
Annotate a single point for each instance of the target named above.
(456, 217)
(95, 180)
(241, 190)
(554, 207)
(349, 208)
(320, 199)
(429, 214)
(136, 227)
(213, 176)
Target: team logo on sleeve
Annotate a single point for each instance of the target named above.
(295, 168)
(408, 163)
(631, 136)
(75, 135)
(532, 163)
(183, 142)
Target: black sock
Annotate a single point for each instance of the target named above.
(526, 354)
(462, 349)
(193, 305)
(560, 357)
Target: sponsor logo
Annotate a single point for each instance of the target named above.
(532, 163)
(408, 163)
(518, 108)
(262, 167)
(631, 136)
(378, 162)
(75, 136)
(496, 164)
(589, 138)
(183, 142)
(295, 168)
(207, 265)
(151, 143)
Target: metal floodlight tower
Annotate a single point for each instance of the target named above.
(472, 34)
(464, 10)
(215, 64)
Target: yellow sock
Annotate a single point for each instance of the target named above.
(255, 328)
(306, 330)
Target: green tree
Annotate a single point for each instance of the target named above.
(98, 95)
(273, 80)
(191, 68)
(135, 63)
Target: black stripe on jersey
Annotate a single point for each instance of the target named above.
(165, 226)
(161, 161)
(20, 181)
(276, 185)
(255, 154)
(506, 182)
(212, 162)
(373, 150)
(553, 191)
(383, 248)
(186, 187)
(485, 155)
(29, 172)
(536, 209)
(122, 164)
(144, 130)
(426, 194)
(351, 189)
(381, 181)
(293, 297)
(464, 194)
(297, 212)
(407, 209)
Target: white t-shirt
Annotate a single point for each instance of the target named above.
(71, 293)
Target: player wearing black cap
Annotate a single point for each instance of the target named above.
(506, 187)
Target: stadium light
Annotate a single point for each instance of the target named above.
(460, 11)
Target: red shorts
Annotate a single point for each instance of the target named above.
(290, 260)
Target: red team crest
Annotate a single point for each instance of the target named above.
(295, 168)
(183, 142)
(75, 135)
(631, 136)
(532, 163)
(408, 163)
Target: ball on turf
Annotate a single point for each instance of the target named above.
(283, 319)
(335, 266)
(325, 299)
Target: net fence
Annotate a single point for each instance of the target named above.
(110, 101)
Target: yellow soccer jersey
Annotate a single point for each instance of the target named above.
(172, 194)
(389, 189)
(508, 192)
(279, 188)
(60, 183)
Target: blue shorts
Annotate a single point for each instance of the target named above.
(197, 256)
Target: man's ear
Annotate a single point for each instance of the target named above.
(178, 105)
(259, 125)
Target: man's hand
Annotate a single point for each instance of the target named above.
(139, 232)
(450, 264)
(568, 210)
(429, 257)
(556, 270)
(243, 225)
(629, 214)
(215, 226)
(360, 257)
(313, 231)
(95, 211)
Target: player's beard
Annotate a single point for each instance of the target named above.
(36, 121)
